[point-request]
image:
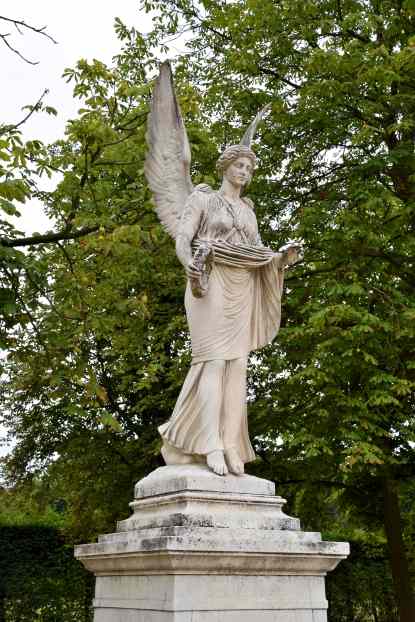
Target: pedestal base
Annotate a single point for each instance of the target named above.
(204, 548)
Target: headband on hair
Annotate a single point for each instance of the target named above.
(232, 153)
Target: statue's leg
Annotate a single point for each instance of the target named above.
(211, 397)
(233, 412)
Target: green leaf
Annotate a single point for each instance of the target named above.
(109, 420)
(8, 207)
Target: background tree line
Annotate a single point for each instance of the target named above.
(92, 315)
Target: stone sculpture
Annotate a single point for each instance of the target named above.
(198, 547)
(233, 294)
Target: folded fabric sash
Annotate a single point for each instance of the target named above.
(236, 255)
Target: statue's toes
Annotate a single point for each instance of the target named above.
(216, 463)
(220, 469)
(235, 464)
(237, 469)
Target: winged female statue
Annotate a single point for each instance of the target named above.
(234, 287)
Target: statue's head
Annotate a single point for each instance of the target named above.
(231, 155)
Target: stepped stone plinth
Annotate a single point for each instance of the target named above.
(204, 548)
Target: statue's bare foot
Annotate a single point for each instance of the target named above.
(216, 462)
(234, 461)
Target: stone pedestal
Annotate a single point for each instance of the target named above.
(204, 548)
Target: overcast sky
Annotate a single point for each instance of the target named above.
(83, 29)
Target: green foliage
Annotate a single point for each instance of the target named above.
(360, 588)
(333, 398)
(338, 385)
(97, 341)
(31, 505)
(40, 580)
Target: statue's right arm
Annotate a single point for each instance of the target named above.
(188, 228)
(183, 249)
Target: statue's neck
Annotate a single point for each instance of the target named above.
(229, 191)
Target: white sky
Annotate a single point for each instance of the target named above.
(83, 29)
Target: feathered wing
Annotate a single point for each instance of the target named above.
(250, 132)
(167, 165)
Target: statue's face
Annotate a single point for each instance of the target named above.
(239, 173)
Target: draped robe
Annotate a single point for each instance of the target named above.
(240, 313)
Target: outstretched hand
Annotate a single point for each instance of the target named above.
(292, 252)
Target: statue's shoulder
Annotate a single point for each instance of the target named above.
(205, 188)
(200, 195)
(249, 202)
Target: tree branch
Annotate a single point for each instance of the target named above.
(9, 128)
(311, 273)
(47, 238)
(21, 24)
(275, 74)
(18, 22)
(3, 37)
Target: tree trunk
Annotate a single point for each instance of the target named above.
(398, 560)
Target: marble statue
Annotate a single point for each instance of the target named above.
(234, 286)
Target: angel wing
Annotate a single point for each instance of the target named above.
(167, 165)
(250, 132)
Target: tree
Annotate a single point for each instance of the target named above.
(99, 350)
(92, 366)
(21, 165)
(338, 386)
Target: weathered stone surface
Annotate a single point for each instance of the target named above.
(204, 548)
(196, 477)
(193, 496)
(129, 615)
(213, 598)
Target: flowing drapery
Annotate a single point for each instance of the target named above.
(240, 313)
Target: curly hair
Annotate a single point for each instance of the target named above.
(231, 154)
